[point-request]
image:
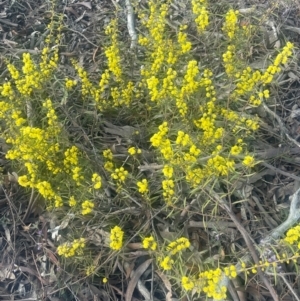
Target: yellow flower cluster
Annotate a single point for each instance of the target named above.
(31, 79)
(210, 280)
(45, 189)
(52, 117)
(182, 40)
(249, 161)
(237, 148)
(112, 52)
(249, 80)
(166, 263)
(90, 270)
(37, 149)
(190, 83)
(207, 281)
(15, 74)
(189, 86)
(103, 83)
(228, 59)
(182, 138)
(122, 93)
(48, 61)
(168, 171)
(86, 85)
(17, 117)
(221, 165)
(34, 148)
(168, 184)
(108, 164)
(293, 236)
(178, 245)
(71, 249)
(201, 13)
(156, 46)
(230, 271)
(7, 90)
(96, 180)
(168, 190)
(72, 201)
(87, 207)
(208, 111)
(173, 53)
(229, 26)
(194, 176)
(116, 238)
(120, 174)
(187, 283)
(163, 144)
(71, 164)
(133, 151)
(126, 95)
(70, 83)
(183, 153)
(168, 87)
(274, 68)
(107, 154)
(152, 84)
(143, 186)
(155, 23)
(71, 157)
(173, 248)
(149, 243)
(158, 138)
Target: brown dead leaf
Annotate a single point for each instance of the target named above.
(135, 278)
(167, 284)
(5, 273)
(26, 228)
(135, 245)
(34, 273)
(86, 4)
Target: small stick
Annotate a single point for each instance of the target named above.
(130, 24)
(248, 242)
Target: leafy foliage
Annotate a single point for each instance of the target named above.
(199, 131)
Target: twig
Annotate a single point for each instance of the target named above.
(289, 286)
(83, 37)
(213, 224)
(130, 24)
(287, 174)
(281, 125)
(7, 22)
(39, 276)
(233, 293)
(30, 206)
(143, 290)
(293, 217)
(29, 112)
(12, 209)
(151, 166)
(292, 140)
(248, 242)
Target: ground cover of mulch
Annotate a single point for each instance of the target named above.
(28, 263)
